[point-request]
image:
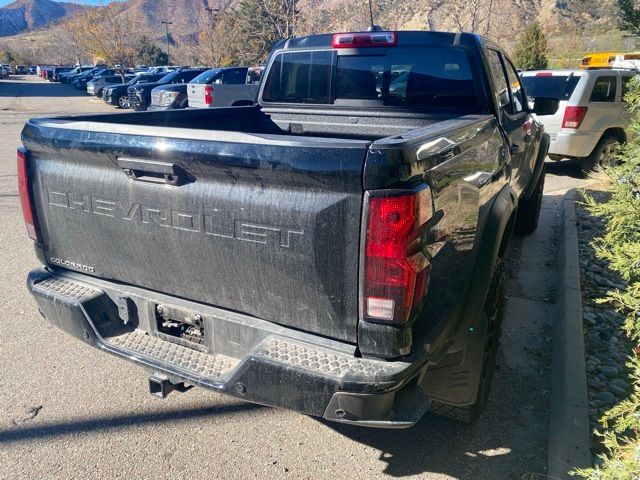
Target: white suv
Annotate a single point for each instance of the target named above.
(592, 119)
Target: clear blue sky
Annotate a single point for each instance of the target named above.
(87, 2)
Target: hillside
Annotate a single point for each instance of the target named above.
(499, 19)
(581, 24)
(183, 14)
(25, 15)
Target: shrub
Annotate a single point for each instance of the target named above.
(621, 247)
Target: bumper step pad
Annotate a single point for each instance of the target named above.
(324, 361)
(194, 362)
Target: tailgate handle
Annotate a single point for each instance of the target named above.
(152, 171)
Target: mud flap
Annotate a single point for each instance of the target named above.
(456, 379)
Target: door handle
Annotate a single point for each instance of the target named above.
(514, 149)
(152, 171)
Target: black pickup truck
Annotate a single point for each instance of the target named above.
(335, 249)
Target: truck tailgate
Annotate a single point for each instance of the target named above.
(264, 225)
(221, 95)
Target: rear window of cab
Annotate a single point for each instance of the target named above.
(438, 78)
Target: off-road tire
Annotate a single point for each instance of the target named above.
(529, 209)
(602, 156)
(492, 312)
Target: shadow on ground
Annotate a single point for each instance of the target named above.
(569, 168)
(39, 432)
(38, 88)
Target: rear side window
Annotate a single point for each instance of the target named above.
(234, 76)
(560, 87)
(604, 90)
(433, 78)
(150, 78)
(206, 77)
(502, 88)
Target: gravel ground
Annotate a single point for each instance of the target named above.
(606, 344)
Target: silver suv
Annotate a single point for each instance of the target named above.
(592, 119)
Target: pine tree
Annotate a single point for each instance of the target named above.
(262, 23)
(148, 53)
(531, 51)
(630, 20)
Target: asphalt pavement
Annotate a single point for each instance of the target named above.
(69, 411)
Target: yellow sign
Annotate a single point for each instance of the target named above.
(606, 59)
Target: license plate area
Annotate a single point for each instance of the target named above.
(182, 326)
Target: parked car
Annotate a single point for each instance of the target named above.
(45, 72)
(19, 70)
(96, 85)
(6, 68)
(32, 69)
(223, 87)
(169, 97)
(80, 82)
(4, 72)
(591, 122)
(118, 96)
(140, 94)
(163, 69)
(66, 76)
(240, 88)
(335, 250)
(79, 71)
(58, 71)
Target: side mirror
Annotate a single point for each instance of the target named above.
(545, 106)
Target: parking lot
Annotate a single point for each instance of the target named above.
(68, 411)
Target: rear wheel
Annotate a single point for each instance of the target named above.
(529, 209)
(492, 313)
(604, 155)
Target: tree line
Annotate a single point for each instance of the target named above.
(245, 31)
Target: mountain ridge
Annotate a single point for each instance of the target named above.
(25, 15)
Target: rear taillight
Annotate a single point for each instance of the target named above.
(25, 194)
(573, 117)
(396, 271)
(208, 95)
(357, 40)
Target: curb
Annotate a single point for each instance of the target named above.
(569, 430)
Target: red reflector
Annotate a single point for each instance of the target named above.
(396, 273)
(544, 74)
(573, 117)
(528, 127)
(356, 40)
(25, 195)
(208, 95)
